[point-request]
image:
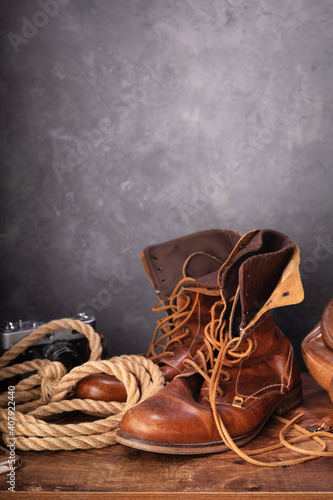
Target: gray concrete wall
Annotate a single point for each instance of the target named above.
(126, 123)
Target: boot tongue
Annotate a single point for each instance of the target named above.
(204, 251)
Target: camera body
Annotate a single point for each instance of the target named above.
(67, 346)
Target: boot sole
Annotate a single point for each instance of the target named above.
(290, 401)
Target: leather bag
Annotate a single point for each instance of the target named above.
(317, 351)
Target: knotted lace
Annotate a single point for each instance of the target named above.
(218, 353)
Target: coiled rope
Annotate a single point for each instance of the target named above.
(49, 392)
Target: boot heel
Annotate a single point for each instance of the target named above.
(290, 400)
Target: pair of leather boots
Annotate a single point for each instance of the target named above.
(227, 366)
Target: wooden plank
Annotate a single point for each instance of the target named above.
(125, 473)
(173, 496)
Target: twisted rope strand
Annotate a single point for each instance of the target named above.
(49, 392)
(27, 366)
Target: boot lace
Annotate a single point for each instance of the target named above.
(172, 329)
(218, 352)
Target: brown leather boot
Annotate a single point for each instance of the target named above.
(246, 368)
(179, 334)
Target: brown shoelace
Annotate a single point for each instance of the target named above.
(171, 332)
(168, 328)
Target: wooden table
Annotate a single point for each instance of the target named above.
(124, 473)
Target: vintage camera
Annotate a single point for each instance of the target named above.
(67, 346)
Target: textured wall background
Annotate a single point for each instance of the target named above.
(126, 123)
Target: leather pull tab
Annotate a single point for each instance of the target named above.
(238, 401)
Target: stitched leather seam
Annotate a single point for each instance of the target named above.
(255, 400)
(246, 397)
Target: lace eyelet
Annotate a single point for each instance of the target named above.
(220, 396)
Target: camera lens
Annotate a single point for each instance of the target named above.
(63, 351)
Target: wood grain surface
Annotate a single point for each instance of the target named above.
(120, 472)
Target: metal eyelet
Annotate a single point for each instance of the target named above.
(220, 396)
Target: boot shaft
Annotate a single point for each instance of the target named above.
(170, 264)
(164, 262)
(262, 273)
